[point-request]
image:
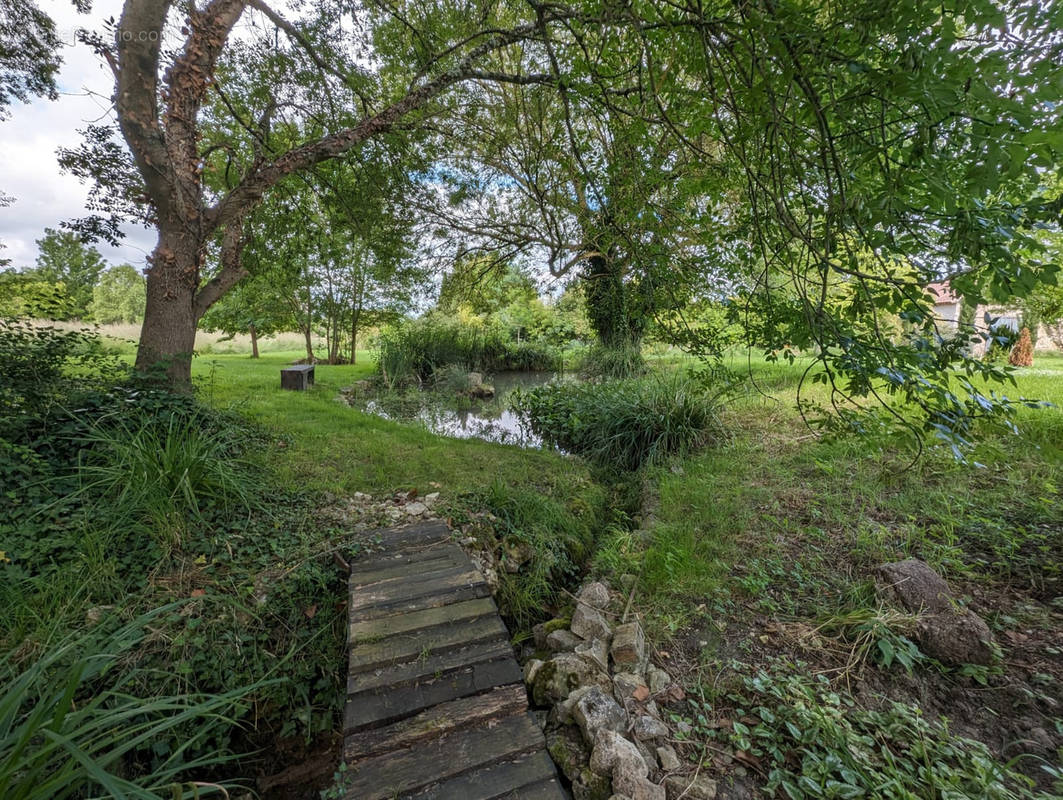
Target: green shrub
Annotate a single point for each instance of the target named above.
(999, 344)
(529, 356)
(45, 370)
(623, 424)
(72, 725)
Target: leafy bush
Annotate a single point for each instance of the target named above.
(44, 369)
(815, 742)
(624, 424)
(529, 356)
(71, 725)
(999, 342)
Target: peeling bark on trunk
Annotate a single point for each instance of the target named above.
(168, 333)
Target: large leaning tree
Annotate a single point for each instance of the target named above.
(349, 72)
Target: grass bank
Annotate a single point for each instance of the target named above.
(252, 603)
(760, 560)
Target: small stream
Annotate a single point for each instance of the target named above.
(491, 420)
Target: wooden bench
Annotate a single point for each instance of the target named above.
(297, 377)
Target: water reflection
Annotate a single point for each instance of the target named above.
(491, 420)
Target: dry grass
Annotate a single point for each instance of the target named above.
(206, 343)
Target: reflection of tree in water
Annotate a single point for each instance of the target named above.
(448, 415)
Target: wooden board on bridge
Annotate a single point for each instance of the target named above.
(436, 705)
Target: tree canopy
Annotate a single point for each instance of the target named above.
(819, 161)
(63, 258)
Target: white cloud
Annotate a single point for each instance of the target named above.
(30, 137)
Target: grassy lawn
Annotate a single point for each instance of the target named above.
(762, 554)
(755, 558)
(325, 445)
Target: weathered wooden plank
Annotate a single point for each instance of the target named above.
(402, 555)
(443, 560)
(403, 586)
(406, 771)
(420, 533)
(417, 585)
(423, 669)
(373, 654)
(419, 620)
(464, 590)
(524, 778)
(381, 706)
(436, 704)
(435, 721)
(549, 789)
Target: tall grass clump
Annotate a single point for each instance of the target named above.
(555, 539)
(74, 724)
(624, 424)
(413, 351)
(612, 363)
(164, 472)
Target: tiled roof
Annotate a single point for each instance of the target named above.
(943, 292)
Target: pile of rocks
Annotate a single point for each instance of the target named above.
(363, 512)
(603, 725)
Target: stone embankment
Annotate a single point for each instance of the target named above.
(600, 691)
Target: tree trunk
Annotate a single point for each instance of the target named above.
(254, 340)
(355, 314)
(168, 333)
(308, 331)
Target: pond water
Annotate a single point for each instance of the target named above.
(491, 420)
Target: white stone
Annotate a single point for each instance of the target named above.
(690, 787)
(635, 786)
(588, 623)
(611, 749)
(646, 727)
(564, 673)
(563, 710)
(562, 641)
(629, 644)
(625, 684)
(596, 711)
(667, 756)
(659, 680)
(595, 595)
(416, 509)
(596, 650)
(531, 669)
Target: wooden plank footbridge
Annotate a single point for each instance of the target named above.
(436, 706)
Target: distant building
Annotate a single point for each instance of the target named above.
(947, 308)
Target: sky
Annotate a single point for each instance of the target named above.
(29, 139)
